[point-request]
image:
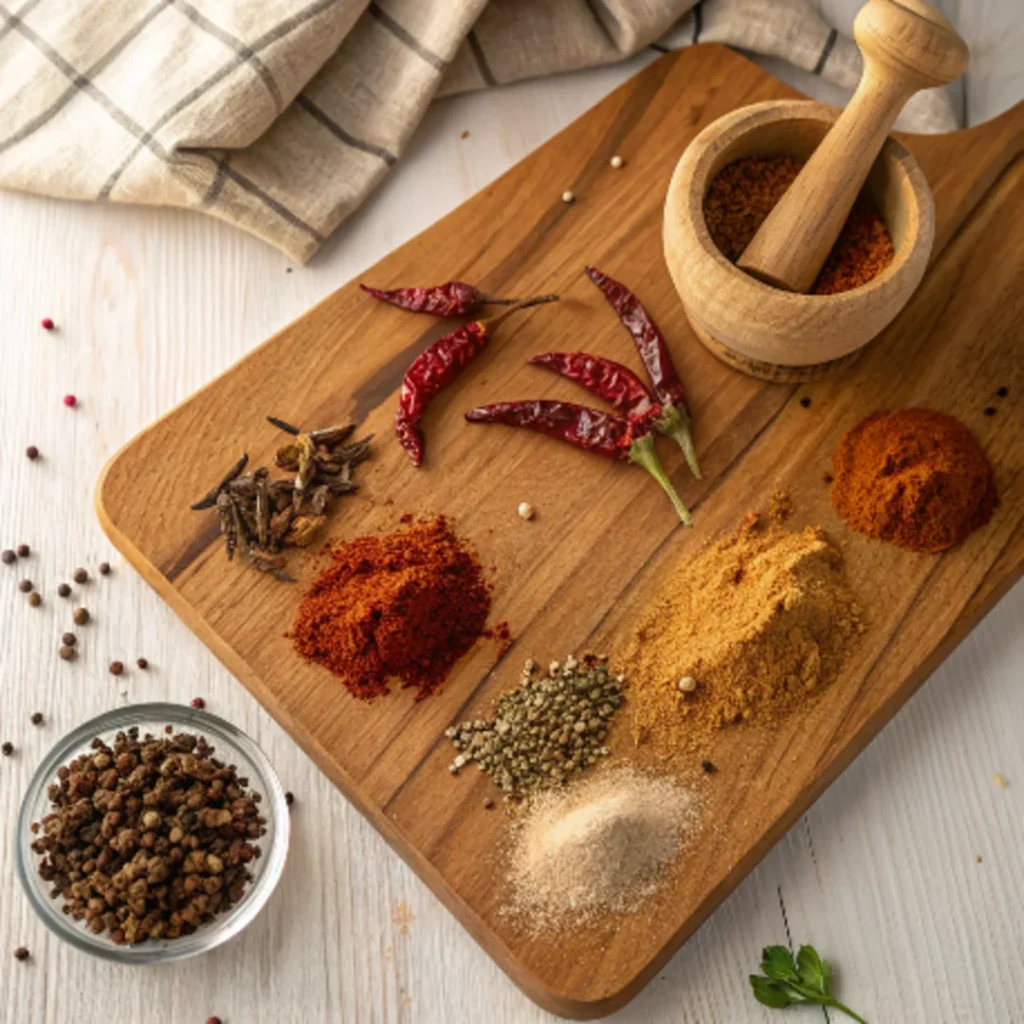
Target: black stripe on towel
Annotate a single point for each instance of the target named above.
(826, 50)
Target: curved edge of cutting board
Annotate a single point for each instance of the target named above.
(564, 1006)
(322, 759)
(1001, 140)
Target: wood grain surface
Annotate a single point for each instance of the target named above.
(570, 580)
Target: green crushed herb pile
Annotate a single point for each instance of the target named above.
(808, 980)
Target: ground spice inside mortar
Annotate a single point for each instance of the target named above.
(402, 606)
(747, 630)
(915, 477)
(603, 846)
(742, 195)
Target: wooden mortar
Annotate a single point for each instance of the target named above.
(762, 330)
(776, 331)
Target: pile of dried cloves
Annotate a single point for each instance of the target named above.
(259, 516)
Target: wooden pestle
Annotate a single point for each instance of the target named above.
(907, 46)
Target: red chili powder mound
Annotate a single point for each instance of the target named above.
(401, 606)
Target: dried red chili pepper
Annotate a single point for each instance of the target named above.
(650, 344)
(453, 298)
(623, 438)
(437, 367)
(605, 378)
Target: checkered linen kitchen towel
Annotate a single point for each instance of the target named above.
(280, 116)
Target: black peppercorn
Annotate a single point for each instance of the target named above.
(116, 668)
(142, 663)
(69, 639)
(805, 401)
(289, 798)
(81, 616)
(63, 590)
(80, 576)
(187, 851)
(21, 953)
(34, 599)
(488, 804)
(104, 568)
(1003, 391)
(25, 586)
(990, 411)
(32, 452)
(37, 718)
(8, 556)
(708, 766)
(66, 653)
(24, 551)
(6, 748)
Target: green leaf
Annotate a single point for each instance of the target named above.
(769, 992)
(826, 970)
(797, 993)
(777, 964)
(807, 980)
(814, 973)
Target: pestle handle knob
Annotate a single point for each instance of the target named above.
(907, 46)
(914, 41)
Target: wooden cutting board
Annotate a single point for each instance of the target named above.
(604, 535)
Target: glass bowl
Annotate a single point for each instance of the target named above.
(230, 746)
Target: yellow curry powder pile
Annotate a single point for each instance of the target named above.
(742, 195)
(750, 629)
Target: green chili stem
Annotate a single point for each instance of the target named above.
(675, 422)
(642, 452)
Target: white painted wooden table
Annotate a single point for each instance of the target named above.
(908, 872)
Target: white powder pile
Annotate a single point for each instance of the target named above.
(600, 846)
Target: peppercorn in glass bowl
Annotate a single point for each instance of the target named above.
(231, 747)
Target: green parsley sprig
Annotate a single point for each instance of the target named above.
(808, 980)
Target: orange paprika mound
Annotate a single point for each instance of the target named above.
(915, 477)
(401, 606)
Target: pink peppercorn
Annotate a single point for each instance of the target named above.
(198, 703)
(47, 324)
(70, 401)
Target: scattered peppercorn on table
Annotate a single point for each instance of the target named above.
(573, 574)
